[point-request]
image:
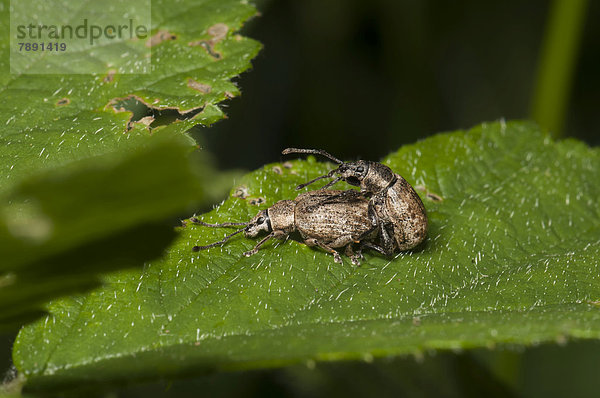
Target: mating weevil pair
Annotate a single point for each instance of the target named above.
(386, 215)
(401, 217)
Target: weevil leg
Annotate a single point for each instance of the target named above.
(384, 228)
(366, 234)
(274, 234)
(354, 256)
(359, 251)
(387, 238)
(375, 247)
(374, 226)
(314, 242)
(347, 241)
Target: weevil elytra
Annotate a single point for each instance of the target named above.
(401, 217)
(328, 219)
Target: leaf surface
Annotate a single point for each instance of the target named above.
(511, 258)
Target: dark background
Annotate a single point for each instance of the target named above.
(360, 78)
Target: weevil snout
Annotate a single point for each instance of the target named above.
(258, 224)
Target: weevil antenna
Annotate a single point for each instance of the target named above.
(222, 241)
(328, 175)
(225, 224)
(312, 152)
(330, 183)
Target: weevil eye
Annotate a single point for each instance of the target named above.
(353, 181)
(260, 220)
(360, 169)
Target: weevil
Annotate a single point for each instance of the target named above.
(401, 217)
(328, 219)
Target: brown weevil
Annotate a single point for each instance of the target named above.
(401, 216)
(325, 218)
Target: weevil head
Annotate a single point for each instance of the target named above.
(258, 224)
(369, 176)
(279, 217)
(354, 173)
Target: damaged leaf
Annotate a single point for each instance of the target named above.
(50, 120)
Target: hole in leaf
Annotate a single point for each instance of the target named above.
(148, 115)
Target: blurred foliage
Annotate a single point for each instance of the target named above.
(545, 371)
(558, 57)
(436, 375)
(540, 372)
(64, 227)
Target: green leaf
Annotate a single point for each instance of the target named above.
(511, 258)
(50, 120)
(66, 226)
